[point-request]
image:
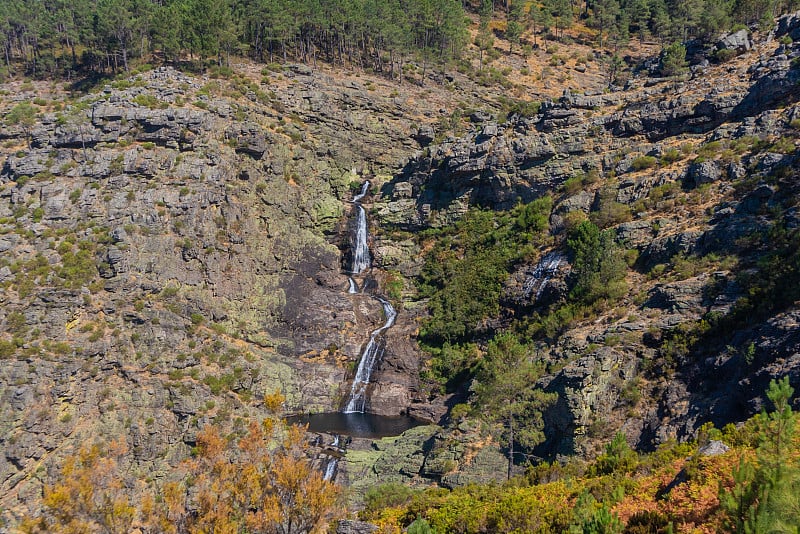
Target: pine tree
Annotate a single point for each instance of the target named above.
(765, 496)
(506, 393)
(598, 267)
(485, 38)
(673, 60)
(514, 25)
(23, 115)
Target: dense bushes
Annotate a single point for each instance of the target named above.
(464, 272)
(674, 489)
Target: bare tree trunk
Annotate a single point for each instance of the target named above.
(510, 445)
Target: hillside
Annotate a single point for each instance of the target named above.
(611, 258)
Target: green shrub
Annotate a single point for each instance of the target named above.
(784, 145)
(644, 162)
(617, 458)
(711, 149)
(383, 496)
(673, 60)
(610, 212)
(7, 349)
(725, 55)
(117, 165)
(420, 526)
(149, 101)
(671, 156)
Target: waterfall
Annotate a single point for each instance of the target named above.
(353, 286)
(362, 193)
(361, 260)
(330, 469)
(544, 270)
(369, 359)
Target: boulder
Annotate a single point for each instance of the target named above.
(249, 139)
(661, 249)
(706, 172)
(738, 41)
(713, 448)
(424, 135)
(789, 25)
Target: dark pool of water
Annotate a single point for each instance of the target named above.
(357, 425)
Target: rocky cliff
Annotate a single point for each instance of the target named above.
(171, 253)
(692, 175)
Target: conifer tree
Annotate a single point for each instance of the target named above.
(506, 393)
(514, 25)
(485, 38)
(764, 497)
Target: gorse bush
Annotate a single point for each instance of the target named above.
(260, 480)
(628, 493)
(644, 162)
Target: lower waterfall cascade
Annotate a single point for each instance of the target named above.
(369, 359)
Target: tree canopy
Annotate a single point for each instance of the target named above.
(47, 35)
(54, 36)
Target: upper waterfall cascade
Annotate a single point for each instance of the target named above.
(541, 275)
(361, 258)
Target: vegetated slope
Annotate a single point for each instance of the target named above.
(672, 243)
(697, 486)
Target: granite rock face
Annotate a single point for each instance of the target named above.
(166, 265)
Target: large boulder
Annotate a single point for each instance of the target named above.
(737, 41)
(706, 172)
(350, 526)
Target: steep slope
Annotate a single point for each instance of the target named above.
(173, 246)
(696, 179)
(171, 254)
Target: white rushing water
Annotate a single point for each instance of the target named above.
(353, 287)
(330, 469)
(545, 269)
(369, 359)
(363, 192)
(361, 259)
